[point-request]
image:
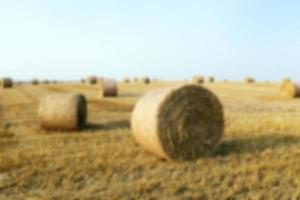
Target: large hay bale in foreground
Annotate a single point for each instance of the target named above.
(290, 89)
(6, 82)
(109, 88)
(182, 123)
(198, 79)
(66, 112)
(92, 80)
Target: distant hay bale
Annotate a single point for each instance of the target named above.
(82, 80)
(6, 82)
(54, 82)
(145, 80)
(290, 89)
(210, 79)
(198, 79)
(46, 82)
(66, 112)
(34, 81)
(135, 79)
(286, 79)
(109, 88)
(182, 123)
(127, 80)
(92, 80)
(249, 80)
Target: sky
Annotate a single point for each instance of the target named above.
(165, 39)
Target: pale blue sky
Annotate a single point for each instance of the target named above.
(169, 39)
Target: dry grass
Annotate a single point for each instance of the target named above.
(259, 157)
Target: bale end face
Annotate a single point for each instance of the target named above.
(63, 112)
(182, 123)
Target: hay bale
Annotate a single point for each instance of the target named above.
(249, 80)
(286, 79)
(82, 80)
(66, 112)
(46, 82)
(91, 80)
(6, 82)
(182, 123)
(210, 79)
(198, 79)
(34, 81)
(127, 80)
(145, 80)
(109, 88)
(135, 79)
(290, 89)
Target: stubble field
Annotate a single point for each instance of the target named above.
(258, 158)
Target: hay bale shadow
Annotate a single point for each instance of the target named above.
(107, 126)
(255, 144)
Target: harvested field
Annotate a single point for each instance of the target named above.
(258, 157)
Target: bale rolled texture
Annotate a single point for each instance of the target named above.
(182, 123)
(66, 112)
(109, 88)
(290, 89)
(198, 79)
(6, 82)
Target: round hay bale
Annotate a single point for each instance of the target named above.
(92, 80)
(182, 123)
(6, 82)
(145, 80)
(198, 79)
(66, 112)
(46, 82)
(249, 80)
(82, 80)
(290, 89)
(210, 79)
(135, 79)
(34, 81)
(127, 80)
(286, 80)
(109, 88)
